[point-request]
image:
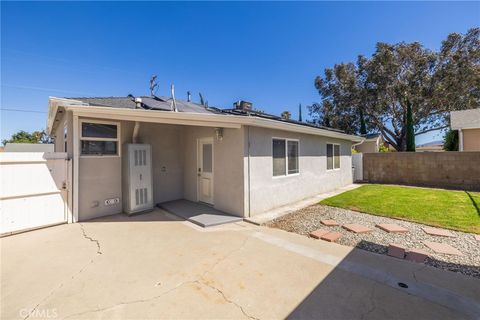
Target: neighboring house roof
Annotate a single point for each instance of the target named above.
(431, 144)
(465, 119)
(159, 109)
(371, 136)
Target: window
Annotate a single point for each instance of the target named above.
(99, 139)
(333, 156)
(285, 157)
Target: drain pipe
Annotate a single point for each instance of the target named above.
(136, 128)
(248, 150)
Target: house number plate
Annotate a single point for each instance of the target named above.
(112, 201)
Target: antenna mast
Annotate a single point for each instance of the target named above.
(153, 85)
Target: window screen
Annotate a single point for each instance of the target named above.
(329, 156)
(99, 130)
(90, 147)
(336, 156)
(278, 157)
(292, 157)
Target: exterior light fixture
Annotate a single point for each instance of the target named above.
(219, 133)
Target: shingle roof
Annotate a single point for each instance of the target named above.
(148, 103)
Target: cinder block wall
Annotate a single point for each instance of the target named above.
(457, 170)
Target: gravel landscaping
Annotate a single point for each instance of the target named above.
(308, 219)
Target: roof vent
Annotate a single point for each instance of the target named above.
(138, 103)
(242, 105)
(286, 115)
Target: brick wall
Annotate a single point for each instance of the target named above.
(457, 170)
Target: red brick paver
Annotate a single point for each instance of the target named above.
(317, 234)
(438, 232)
(442, 248)
(416, 255)
(391, 227)
(356, 228)
(396, 250)
(329, 222)
(331, 236)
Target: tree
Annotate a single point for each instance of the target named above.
(374, 90)
(26, 137)
(410, 130)
(451, 140)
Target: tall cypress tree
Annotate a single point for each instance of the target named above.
(409, 126)
(363, 127)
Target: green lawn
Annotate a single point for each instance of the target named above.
(458, 210)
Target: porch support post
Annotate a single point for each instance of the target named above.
(76, 148)
(460, 140)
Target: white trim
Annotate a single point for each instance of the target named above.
(76, 151)
(460, 140)
(191, 118)
(333, 159)
(286, 174)
(117, 139)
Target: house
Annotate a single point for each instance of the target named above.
(467, 122)
(371, 144)
(433, 146)
(237, 160)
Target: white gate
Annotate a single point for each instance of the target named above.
(357, 163)
(34, 190)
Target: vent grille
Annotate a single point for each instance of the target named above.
(141, 196)
(140, 157)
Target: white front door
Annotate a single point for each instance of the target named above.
(205, 170)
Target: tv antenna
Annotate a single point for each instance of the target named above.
(153, 85)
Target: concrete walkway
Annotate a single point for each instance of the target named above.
(284, 210)
(158, 266)
(198, 213)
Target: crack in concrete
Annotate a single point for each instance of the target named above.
(132, 301)
(99, 249)
(57, 288)
(72, 277)
(200, 281)
(229, 301)
(372, 300)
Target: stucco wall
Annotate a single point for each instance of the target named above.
(100, 178)
(167, 157)
(268, 192)
(435, 169)
(471, 139)
(227, 167)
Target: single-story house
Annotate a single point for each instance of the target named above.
(433, 146)
(237, 160)
(371, 144)
(467, 122)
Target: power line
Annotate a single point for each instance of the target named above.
(22, 110)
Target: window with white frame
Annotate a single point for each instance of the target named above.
(285, 157)
(333, 156)
(99, 138)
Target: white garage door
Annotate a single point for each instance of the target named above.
(33, 190)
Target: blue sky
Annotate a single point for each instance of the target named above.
(268, 53)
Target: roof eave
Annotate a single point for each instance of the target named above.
(221, 120)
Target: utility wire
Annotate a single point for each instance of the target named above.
(22, 110)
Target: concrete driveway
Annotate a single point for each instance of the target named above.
(155, 266)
